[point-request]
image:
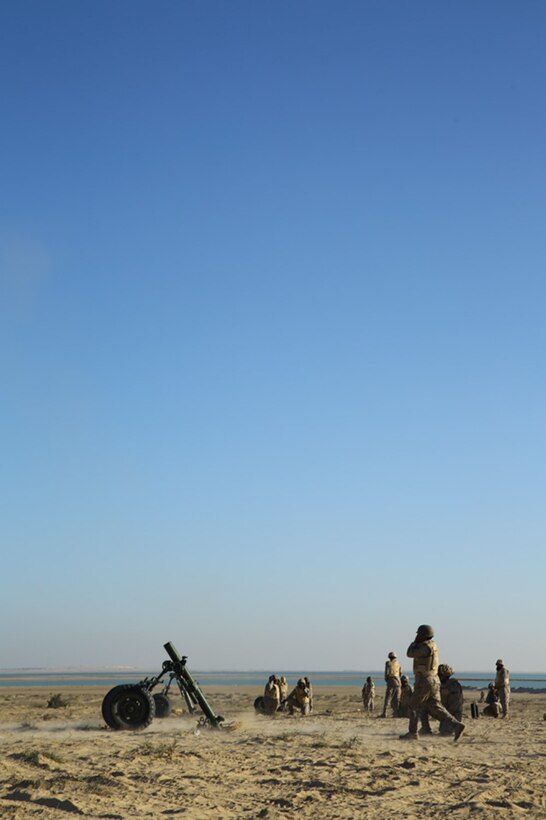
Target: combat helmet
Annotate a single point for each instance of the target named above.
(445, 670)
(392, 656)
(425, 632)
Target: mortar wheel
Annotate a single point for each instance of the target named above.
(163, 705)
(107, 713)
(132, 707)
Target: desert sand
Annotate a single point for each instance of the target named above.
(336, 763)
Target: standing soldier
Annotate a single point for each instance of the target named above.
(283, 689)
(368, 695)
(406, 691)
(502, 685)
(392, 688)
(309, 692)
(451, 695)
(426, 692)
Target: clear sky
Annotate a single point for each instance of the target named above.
(272, 317)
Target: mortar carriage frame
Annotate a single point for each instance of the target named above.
(133, 707)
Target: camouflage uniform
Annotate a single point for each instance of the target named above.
(392, 681)
(368, 695)
(426, 691)
(272, 696)
(406, 691)
(299, 698)
(309, 692)
(283, 689)
(493, 707)
(424, 721)
(451, 695)
(502, 685)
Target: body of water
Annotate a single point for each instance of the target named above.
(51, 680)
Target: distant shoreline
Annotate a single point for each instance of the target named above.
(135, 670)
(471, 681)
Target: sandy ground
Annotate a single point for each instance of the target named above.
(335, 763)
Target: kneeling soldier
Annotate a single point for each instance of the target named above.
(299, 698)
(451, 694)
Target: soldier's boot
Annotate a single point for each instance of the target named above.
(425, 730)
(459, 729)
(409, 736)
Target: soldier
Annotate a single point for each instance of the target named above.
(283, 689)
(392, 688)
(451, 695)
(368, 695)
(406, 691)
(310, 692)
(502, 685)
(426, 691)
(425, 722)
(492, 707)
(272, 696)
(299, 698)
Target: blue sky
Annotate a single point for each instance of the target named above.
(272, 319)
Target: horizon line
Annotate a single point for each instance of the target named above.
(130, 669)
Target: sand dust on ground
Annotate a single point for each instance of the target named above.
(336, 763)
